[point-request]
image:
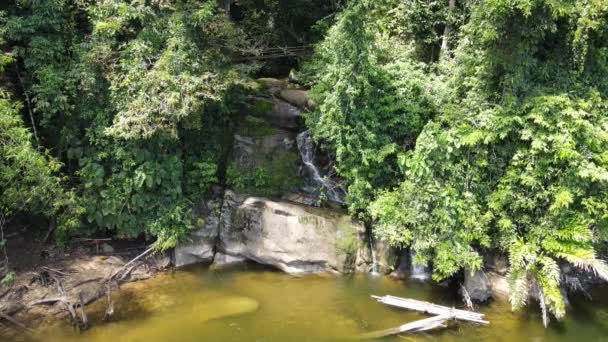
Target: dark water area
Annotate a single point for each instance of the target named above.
(251, 303)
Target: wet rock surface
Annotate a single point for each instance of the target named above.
(478, 286)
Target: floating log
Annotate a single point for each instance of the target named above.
(430, 308)
(416, 326)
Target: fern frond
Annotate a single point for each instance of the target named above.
(586, 260)
(547, 276)
(519, 287)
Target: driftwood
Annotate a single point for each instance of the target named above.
(442, 315)
(416, 326)
(110, 308)
(466, 298)
(430, 308)
(82, 282)
(146, 252)
(48, 269)
(83, 313)
(48, 301)
(127, 272)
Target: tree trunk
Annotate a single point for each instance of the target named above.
(447, 31)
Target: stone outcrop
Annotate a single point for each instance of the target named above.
(498, 285)
(289, 234)
(296, 97)
(291, 237)
(477, 285)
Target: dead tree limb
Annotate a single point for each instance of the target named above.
(110, 308)
(430, 308)
(83, 313)
(146, 252)
(128, 271)
(48, 301)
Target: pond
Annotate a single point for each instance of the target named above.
(250, 303)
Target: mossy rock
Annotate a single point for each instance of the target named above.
(252, 126)
(271, 175)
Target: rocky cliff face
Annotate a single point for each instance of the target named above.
(270, 217)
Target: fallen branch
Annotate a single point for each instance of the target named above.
(466, 298)
(430, 308)
(84, 282)
(83, 313)
(416, 326)
(54, 271)
(110, 308)
(146, 252)
(128, 271)
(48, 301)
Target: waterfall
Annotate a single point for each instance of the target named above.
(307, 151)
(418, 272)
(370, 238)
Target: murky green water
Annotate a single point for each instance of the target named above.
(253, 304)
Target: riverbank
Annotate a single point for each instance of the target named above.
(63, 283)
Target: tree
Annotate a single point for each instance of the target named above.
(517, 160)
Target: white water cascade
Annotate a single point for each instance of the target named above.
(306, 147)
(374, 269)
(418, 272)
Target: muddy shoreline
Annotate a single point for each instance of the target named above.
(54, 289)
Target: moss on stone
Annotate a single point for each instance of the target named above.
(348, 241)
(261, 108)
(272, 176)
(252, 126)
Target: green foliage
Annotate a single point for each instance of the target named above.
(271, 23)
(500, 143)
(139, 93)
(372, 101)
(9, 279)
(502, 146)
(271, 177)
(29, 179)
(519, 162)
(256, 127)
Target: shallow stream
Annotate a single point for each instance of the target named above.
(250, 303)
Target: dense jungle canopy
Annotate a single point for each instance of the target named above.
(458, 126)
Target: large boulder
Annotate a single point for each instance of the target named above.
(200, 246)
(288, 236)
(297, 98)
(273, 83)
(477, 285)
(498, 285)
